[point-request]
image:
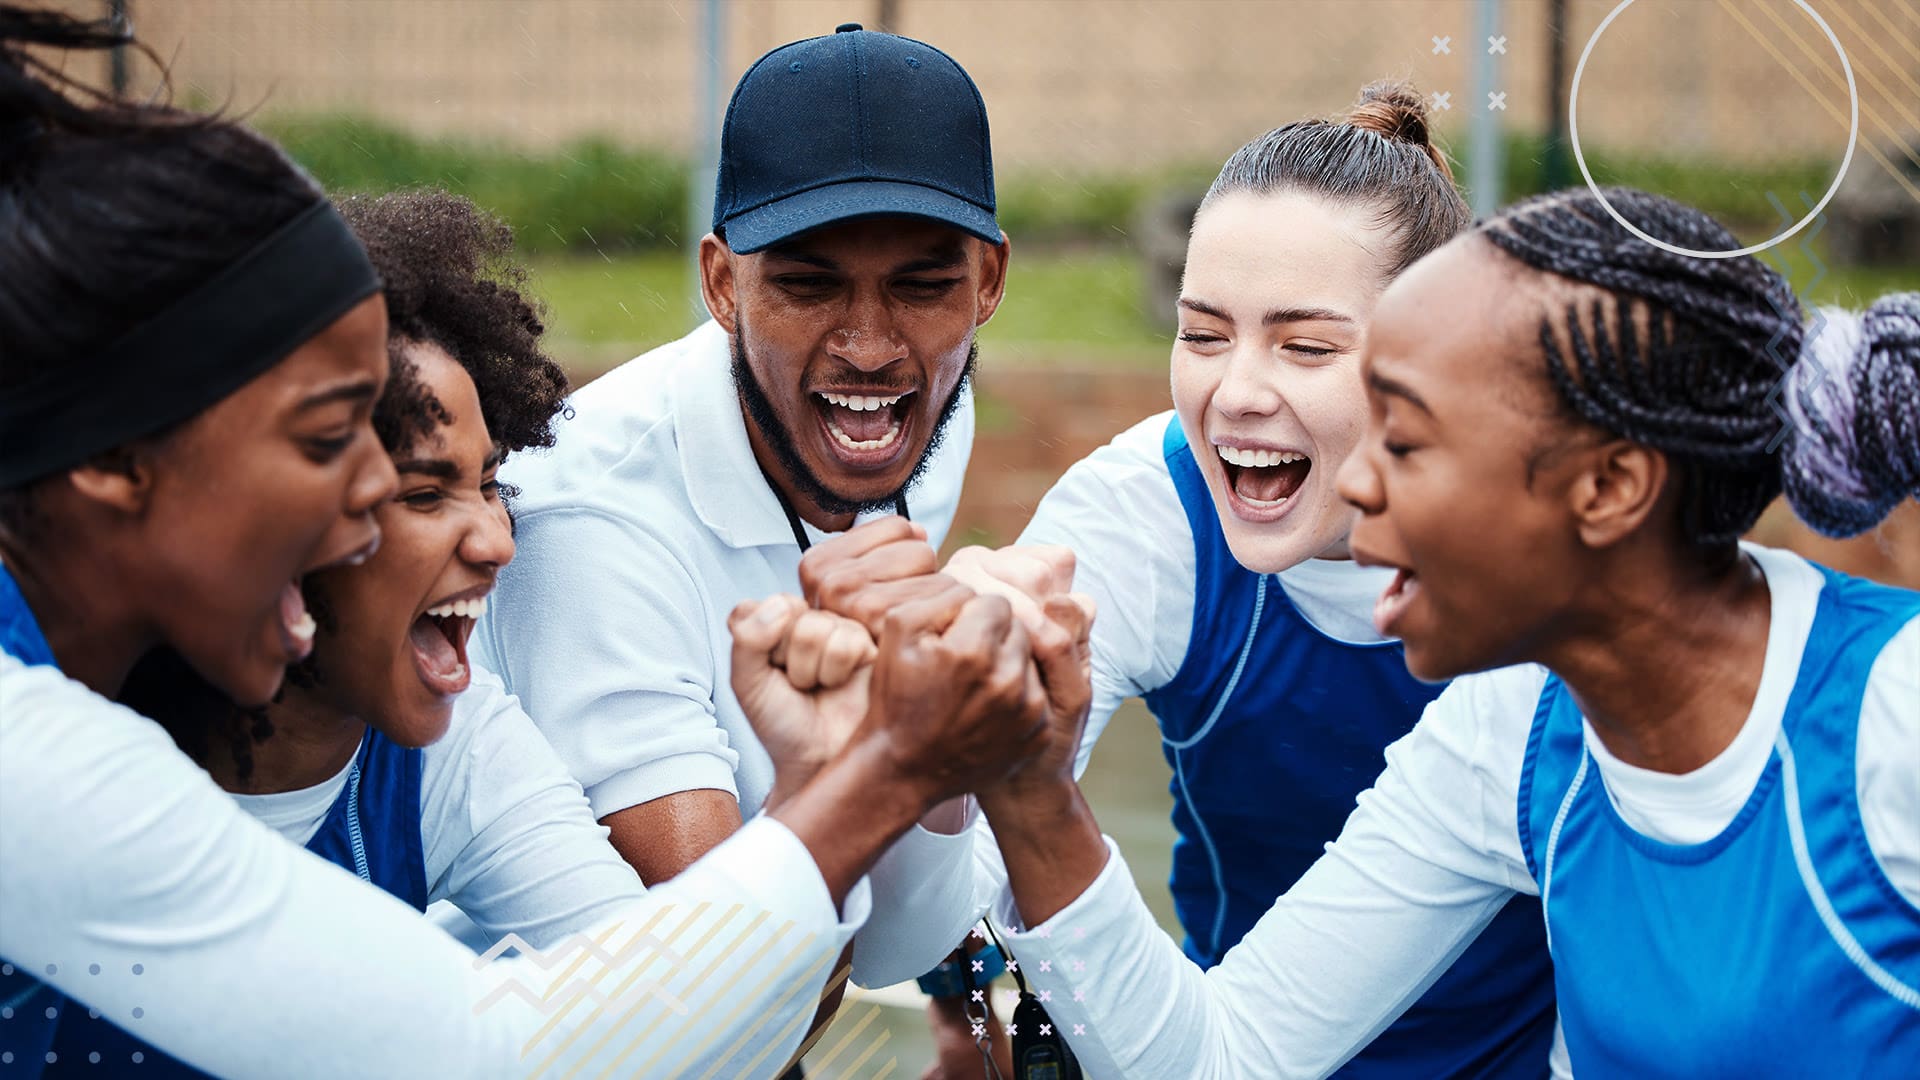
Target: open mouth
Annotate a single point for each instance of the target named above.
(1394, 602)
(296, 622)
(439, 640)
(1263, 482)
(865, 430)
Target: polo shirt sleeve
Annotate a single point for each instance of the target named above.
(599, 627)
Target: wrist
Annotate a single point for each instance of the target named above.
(790, 776)
(1020, 799)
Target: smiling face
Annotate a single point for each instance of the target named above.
(854, 340)
(274, 481)
(1266, 368)
(1463, 478)
(395, 651)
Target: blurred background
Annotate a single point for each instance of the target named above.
(590, 126)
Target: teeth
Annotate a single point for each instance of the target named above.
(851, 443)
(1258, 459)
(857, 403)
(303, 630)
(466, 609)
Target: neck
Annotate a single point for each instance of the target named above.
(83, 608)
(1668, 674)
(784, 485)
(311, 743)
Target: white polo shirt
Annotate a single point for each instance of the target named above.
(638, 533)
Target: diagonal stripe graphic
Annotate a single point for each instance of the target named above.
(1911, 11)
(872, 1049)
(751, 963)
(1823, 62)
(562, 950)
(1868, 145)
(814, 971)
(577, 1030)
(1868, 39)
(826, 1060)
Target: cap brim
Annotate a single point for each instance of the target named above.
(835, 203)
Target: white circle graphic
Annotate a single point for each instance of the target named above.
(1573, 136)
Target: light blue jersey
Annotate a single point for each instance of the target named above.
(1778, 947)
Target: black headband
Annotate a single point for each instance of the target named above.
(208, 344)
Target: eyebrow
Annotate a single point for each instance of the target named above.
(354, 392)
(1386, 384)
(438, 468)
(1275, 317)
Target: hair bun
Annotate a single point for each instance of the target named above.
(1853, 402)
(1393, 109)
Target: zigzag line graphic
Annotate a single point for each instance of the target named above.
(546, 960)
(579, 988)
(1780, 360)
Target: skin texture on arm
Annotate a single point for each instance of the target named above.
(664, 836)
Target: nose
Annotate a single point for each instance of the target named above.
(1247, 386)
(488, 542)
(1358, 481)
(867, 338)
(374, 479)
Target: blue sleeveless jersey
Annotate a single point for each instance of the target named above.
(1777, 948)
(1273, 729)
(373, 829)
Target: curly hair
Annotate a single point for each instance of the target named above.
(450, 280)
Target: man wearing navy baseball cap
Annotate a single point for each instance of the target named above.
(854, 255)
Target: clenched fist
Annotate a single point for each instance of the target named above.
(801, 678)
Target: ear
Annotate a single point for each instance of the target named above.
(717, 282)
(1616, 490)
(993, 277)
(120, 480)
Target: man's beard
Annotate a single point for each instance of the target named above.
(776, 435)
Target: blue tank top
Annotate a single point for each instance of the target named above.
(1778, 947)
(372, 829)
(1273, 729)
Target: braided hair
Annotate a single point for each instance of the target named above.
(1380, 154)
(1710, 361)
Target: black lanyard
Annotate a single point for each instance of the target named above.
(800, 531)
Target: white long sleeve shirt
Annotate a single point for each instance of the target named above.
(508, 836)
(133, 884)
(1429, 856)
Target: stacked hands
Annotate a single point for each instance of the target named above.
(976, 680)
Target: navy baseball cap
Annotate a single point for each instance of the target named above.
(851, 125)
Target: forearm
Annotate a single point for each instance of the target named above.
(850, 811)
(1050, 843)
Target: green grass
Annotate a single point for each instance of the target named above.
(1072, 306)
(1066, 306)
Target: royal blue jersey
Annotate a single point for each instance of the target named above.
(1273, 729)
(1776, 948)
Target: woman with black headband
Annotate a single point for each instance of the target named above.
(193, 342)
